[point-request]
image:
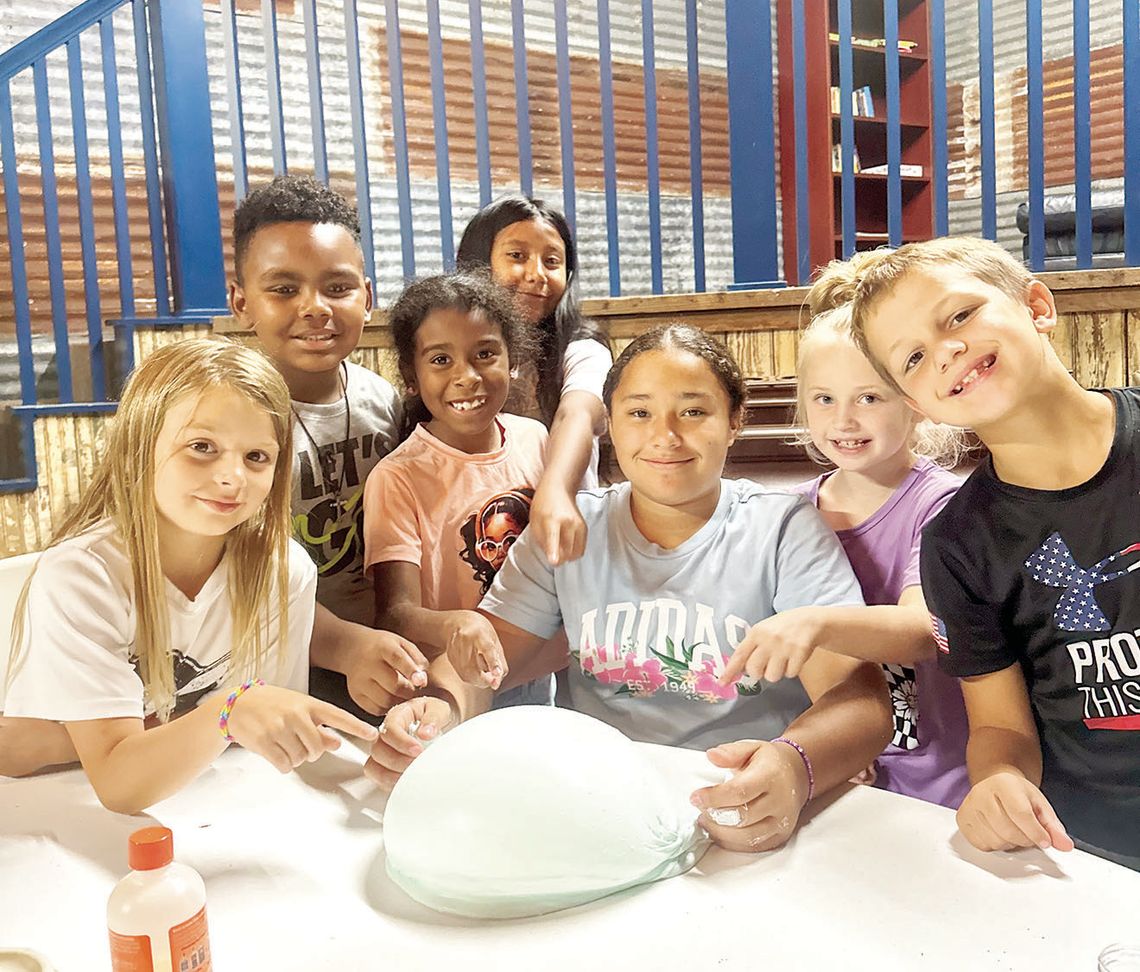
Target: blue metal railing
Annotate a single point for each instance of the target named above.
(174, 123)
(85, 24)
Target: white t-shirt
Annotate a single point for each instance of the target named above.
(329, 470)
(584, 368)
(79, 632)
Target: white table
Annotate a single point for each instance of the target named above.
(295, 880)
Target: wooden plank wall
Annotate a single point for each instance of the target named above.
(1097, 337)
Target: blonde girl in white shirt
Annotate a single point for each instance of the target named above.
(173, 589)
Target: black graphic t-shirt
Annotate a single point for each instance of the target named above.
(1050, 579)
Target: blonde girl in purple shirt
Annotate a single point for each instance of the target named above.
(886, 486)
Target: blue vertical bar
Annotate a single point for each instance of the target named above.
(233, 99)
(400, 137)
(565, 111)
(86, 207)
(1082, 132)
(16, 257)
(1131, 133)
(189, 170)
(894, 138)
(799, 99)
(51, 229)
(609, 146)
(316, 98)
(479, 93)
(751, 142)
(1034, 69)
(359, 136)
(986, 107)
(652, 163)
(118, 174)
(941, 156)
(273, 84)
(522, 100)
(190, 177)
(439, 128)
(150, 163)
(846, 130)
(696, 169)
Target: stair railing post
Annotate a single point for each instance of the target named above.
(186, 144)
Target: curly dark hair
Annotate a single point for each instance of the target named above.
(468, 291)
(683, 337)
(565, 323)
(290, 199)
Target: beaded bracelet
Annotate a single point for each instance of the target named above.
(224, 715)
(807, 764)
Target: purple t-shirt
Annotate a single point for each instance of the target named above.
(927, 756)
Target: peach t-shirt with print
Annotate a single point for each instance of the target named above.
(453, 514)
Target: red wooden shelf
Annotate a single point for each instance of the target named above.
(820, 74)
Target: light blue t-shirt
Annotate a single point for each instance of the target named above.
(650, 629)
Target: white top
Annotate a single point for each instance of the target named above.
(79, 632)
(295, 880)
(584, 368)
(329, 470)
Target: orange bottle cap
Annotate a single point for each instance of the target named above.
(149, 848)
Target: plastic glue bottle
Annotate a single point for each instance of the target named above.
(156, 915)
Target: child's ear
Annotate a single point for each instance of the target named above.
(368, 296)
(1042, 307)
(735, 424)
(236, 299)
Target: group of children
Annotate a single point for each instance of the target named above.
(457, 550)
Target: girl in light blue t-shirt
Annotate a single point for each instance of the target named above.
(679, 565)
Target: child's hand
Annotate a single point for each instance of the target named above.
(288, 728)
(757, 809)
(557, 525)
(474, 650)
(407, 728)
(382, 669)
(1005, 811)
(775, 648)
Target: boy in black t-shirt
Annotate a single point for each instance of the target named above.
(1031, 570)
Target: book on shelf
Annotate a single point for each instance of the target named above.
(862, 101)
(837, 158)
(905, 169)
(876, 43)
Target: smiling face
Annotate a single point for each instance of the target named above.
(854, 417)
(304, 293)
(962, 351)
(462, 374)
(213, 464)
(529, 259)
(671, 426)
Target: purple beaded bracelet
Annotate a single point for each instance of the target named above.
(807, 764)
(224, 715)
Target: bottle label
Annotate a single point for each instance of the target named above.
(190, 945)
(130, 953)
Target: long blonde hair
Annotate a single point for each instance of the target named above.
(944, 444)
(122, 491)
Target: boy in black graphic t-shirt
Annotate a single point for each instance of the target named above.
(1032, 570)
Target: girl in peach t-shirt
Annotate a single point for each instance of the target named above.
(442, 510)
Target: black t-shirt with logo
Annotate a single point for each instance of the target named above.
(1050, 579)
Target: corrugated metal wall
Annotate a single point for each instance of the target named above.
(19, 18)
(1105, 31)
(669, 33)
